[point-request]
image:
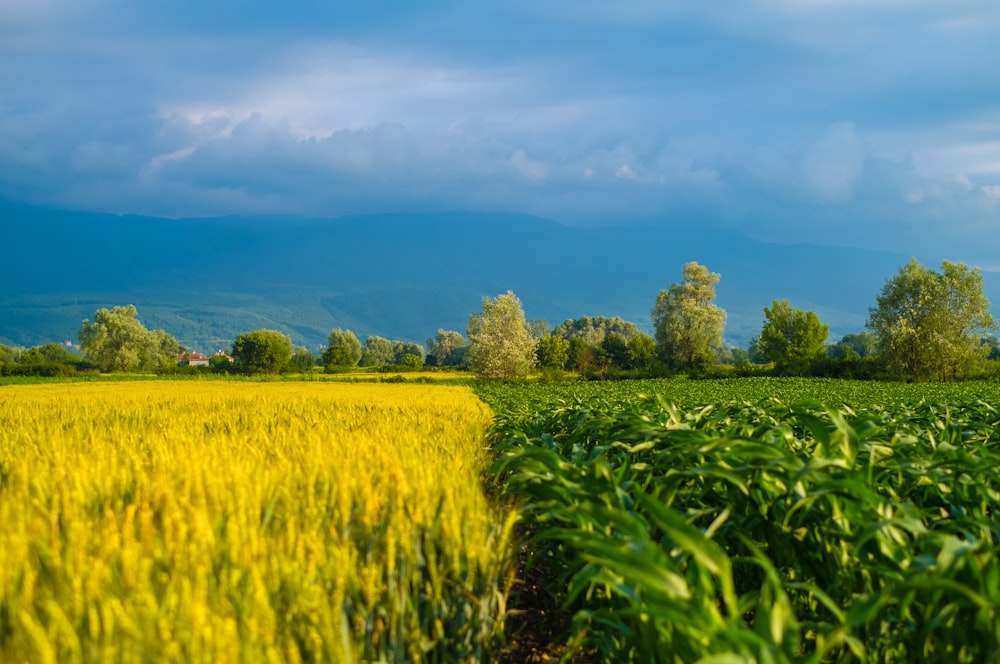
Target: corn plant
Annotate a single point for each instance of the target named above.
(770, 530)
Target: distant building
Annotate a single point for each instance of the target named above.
(192, 359)
(220, 353)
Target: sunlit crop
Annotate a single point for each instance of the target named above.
(773, 530)
(243, 522)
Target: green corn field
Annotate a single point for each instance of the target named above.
(766, 521)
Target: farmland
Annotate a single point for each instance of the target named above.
(760, 520)
(218, 521)
(741, 520)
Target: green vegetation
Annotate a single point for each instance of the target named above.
(262, 351)
(931, 324)
(446, 349)
(594, 329)
(117, 341)
(728, 520)
(780, 520)
(688, 325)
(552, 352)
(926, 326)
(791, 338)
(854, 346)
(500, 341)
(47, 360)
(343, 350)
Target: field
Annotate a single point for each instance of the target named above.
(203, 521)
(750, 520)
(759, 520)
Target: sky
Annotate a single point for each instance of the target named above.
(870, 123)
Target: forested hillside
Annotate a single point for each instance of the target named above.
(400, 276)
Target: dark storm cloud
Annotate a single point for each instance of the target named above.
(867, 123)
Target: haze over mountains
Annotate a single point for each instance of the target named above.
(401, 276)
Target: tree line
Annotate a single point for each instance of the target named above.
(925, 325)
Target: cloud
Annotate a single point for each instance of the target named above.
(531, 170)
(833, 167)
(874, 122)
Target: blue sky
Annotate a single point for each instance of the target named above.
(860, 122)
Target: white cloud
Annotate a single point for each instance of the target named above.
(832, 168)
(531, 170)
(157, 162)
(322, 88)
(625, 172)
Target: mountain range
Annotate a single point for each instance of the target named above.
(401, 276)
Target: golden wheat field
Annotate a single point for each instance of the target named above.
(245, 522)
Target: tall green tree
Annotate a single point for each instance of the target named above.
(9, 353)
(262, 351)
(792, 338)
(854, 346)
(51, 352)
(552, 352)
(445, 349)
(593, 329)
(500, 342)
(163, 350)
(408, 354)
(117, 341)
(302, 361)
(581, 355)
(931, 324)
(641, 351)
(378, 351)
(615, 349)
(687, 323)
(342, 350)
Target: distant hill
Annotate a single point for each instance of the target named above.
(401, 276)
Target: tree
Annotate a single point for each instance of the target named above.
(615, 348)
(163, 351)
(410, 361)
(552, 352)
(593, 329)
(741, 356)
(117, 341)
(854, 346)
(378, 351)
(51, 353)
(408, 354)
(581, 355)
(641, 351)
(931, 324)
(221, 363)
(500, 341)
(792, 338)
(539, 327)
(993, 343)
(8, 353)
(342, 350)
(755, 353)
(262, 351)
(445, 348)
(688, 326)
(302, 361)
